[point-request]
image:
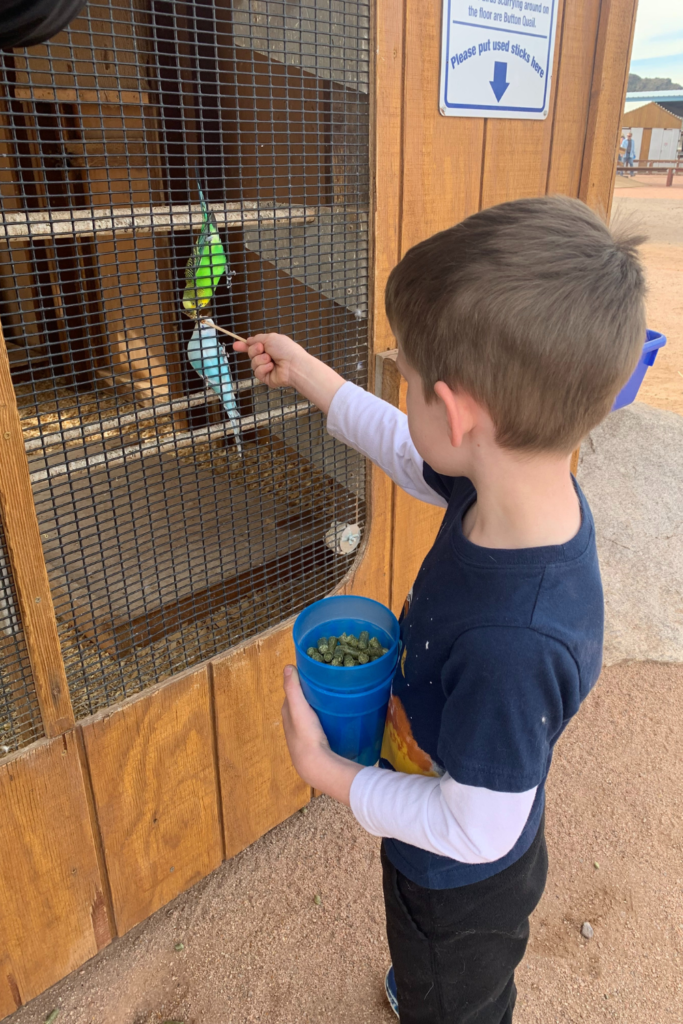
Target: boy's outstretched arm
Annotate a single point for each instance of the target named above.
(280, 363)
(361, 420)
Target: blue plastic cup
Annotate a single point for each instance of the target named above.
(351, 703)
(653, 342)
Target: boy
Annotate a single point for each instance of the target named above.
(516, 329)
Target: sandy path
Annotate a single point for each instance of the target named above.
(257, 947)
(650, 186)
(659, 213)
(663, 384)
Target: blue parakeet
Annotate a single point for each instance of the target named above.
(207, 356)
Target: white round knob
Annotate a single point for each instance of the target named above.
(343, 538)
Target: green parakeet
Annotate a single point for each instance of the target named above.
(206, 265)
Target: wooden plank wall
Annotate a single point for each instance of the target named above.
(155, 786)
(108, 819)
(54, 913)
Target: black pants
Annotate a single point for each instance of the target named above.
(455, 950)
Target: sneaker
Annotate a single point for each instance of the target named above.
(390, 989)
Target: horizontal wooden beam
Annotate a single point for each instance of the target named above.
(387, 376)
(170, 443)
(109, 96)
(120, 636)
(107, 221)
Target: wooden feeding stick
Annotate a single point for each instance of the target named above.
(224, 331)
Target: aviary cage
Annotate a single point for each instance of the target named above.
(163, 544)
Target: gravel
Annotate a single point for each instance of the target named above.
(631, 471)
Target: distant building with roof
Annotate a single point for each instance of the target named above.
(670, 99)
(655, 120)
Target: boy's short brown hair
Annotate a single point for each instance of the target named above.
(534, 307)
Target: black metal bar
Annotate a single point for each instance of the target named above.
(169, 103)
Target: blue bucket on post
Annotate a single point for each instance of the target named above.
(351, 703)
(653, 342)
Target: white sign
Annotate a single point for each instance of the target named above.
(497, 57)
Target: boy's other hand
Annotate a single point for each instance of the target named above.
(272, 358)
(305, 735)
(308, 747)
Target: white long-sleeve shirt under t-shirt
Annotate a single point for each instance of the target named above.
(470, 824)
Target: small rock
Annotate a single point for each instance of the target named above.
(317, 900)
(587, 930)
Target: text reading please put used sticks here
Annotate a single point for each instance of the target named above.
(498, 46)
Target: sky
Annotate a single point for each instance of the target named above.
(658, 42)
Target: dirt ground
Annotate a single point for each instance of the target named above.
(647, 205)
(257, 947)
(249, 943)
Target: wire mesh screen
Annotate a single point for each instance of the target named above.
(170, 530)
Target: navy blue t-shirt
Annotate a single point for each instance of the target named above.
(499, 649)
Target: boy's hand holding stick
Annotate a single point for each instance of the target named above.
(279, 362)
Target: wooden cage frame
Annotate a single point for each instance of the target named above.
(108, 818)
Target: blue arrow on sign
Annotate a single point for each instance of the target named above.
(499, 83)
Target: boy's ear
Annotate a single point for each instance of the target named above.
(459, 412)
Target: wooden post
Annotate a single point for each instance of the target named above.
(372, 573)
(411, 518)
(608, 92)
(27, 564)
